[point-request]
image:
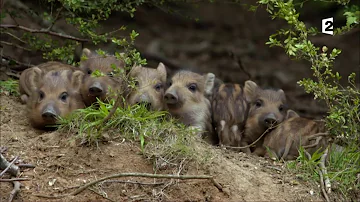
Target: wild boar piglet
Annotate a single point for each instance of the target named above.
(229, 113)
(55, 94)
(267, 108)
(150, 85)
(186, 99)
(285, 140)
(104, 86)
(25, 83)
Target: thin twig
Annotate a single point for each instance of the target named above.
(15, 190)
(250, 145)
(13, 169)
(182, 177)
(18, 62)
(239, 62)
(15, 45)
(105, 197)
(15, 37)
(14, 179)
(56, 18)
(44, 32)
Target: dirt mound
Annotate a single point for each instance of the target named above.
(62, 165)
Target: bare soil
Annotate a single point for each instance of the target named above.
(62, 165)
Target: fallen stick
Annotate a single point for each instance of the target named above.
(131, 182)
(181, 177)
(4, 164)
(26, 166)
(15, 190)
(14, 179)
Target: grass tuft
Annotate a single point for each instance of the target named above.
(10, 86)
(342, 166)
(160, 137)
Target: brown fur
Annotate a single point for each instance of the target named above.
(191, 107)
(150, 88)
(284, 141)
(27, 76)
(264, 103)
(57, 90)
(229, 111)
(102, 64)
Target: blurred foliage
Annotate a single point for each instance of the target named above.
(343, 102)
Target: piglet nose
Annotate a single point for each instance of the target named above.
(95, 89)
(270, 120)
(171, 98)
(49, 113)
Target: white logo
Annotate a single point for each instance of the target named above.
(327, 26)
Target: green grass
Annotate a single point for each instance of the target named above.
(342, 166)
(11, 86)
(160, 137)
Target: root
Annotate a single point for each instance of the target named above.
(324, 171)
(322, 186)
(15, 190)
(182, 177)
(131, 182)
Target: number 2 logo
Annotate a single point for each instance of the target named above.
(327, 26)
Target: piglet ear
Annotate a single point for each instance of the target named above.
(77, 79)
(250, 89)
(291, 114)
(135, 70)
(86, 52)
(209, 83)
(35, 77)
(162, 71)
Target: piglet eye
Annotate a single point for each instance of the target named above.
(170, 83)
(64, 96)
(192, 87)
(41, 95)
(258, 103)
(89, 71)
(281, 108)
(158, 87)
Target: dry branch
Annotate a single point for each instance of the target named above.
(15, 190)
(8, 167)
(181, 177)
(66, 36)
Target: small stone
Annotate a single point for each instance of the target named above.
(311, 192)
